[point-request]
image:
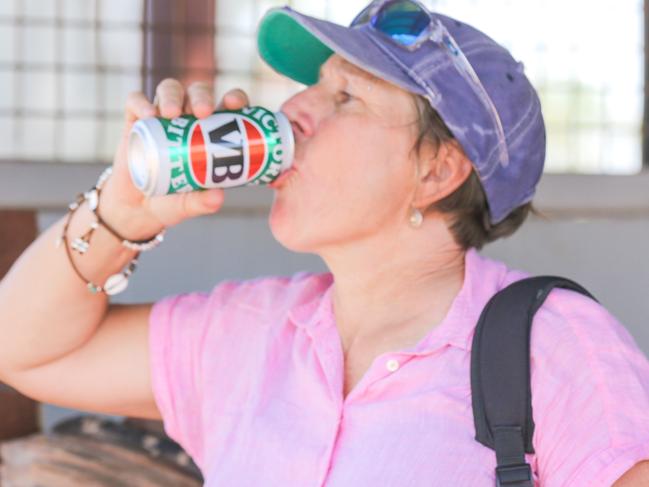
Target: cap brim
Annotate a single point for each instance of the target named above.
(296, 45)
(289, 48)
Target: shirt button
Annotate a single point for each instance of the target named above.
(392, 365)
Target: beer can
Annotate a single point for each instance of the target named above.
(229, 148)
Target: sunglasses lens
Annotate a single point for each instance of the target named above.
(402, 20)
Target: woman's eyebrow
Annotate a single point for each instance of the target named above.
(354, 74)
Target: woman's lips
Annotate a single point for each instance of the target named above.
(277, 183)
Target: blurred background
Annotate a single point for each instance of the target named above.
(66, 67)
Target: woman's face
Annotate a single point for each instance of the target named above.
(354, 174)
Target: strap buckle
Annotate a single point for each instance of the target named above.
(514, 476)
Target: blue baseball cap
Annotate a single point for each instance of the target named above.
(296, 45)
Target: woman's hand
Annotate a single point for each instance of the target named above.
(123, 206)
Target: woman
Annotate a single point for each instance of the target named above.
(408, 160)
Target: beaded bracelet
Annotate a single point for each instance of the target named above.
(93, 203)
(114, 284)
(117, 282)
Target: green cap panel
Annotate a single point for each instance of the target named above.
(289, 48)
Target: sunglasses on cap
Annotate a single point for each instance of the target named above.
(409, 24)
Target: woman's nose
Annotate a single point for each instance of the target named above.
(300, 111)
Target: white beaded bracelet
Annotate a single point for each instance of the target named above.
(93, 203)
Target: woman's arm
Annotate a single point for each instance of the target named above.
(58, 342)
(638, 476)
(109, 373)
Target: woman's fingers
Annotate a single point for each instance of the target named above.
(170, 100)
(169, 97)
(172, 209)
(137, 106)
(200, 99)
(234, 100)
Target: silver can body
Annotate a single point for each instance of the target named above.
(250, 146)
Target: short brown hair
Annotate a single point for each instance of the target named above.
(467, 206)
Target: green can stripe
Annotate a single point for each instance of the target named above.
(178, 137)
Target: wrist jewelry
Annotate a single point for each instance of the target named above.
(117, 282)
(114, 284)
(93, 203)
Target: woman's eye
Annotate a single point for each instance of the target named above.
(343, 97)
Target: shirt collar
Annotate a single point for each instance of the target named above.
(483, 277)
(314, 311)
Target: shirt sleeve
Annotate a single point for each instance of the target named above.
(176, 324)
(197, 360)
(590, 394)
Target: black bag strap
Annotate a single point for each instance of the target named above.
(500, 374)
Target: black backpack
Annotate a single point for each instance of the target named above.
(500, 374)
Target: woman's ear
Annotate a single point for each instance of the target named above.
(440, 172)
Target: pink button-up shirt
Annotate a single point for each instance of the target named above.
(249, 380)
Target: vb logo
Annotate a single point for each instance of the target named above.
(227, 152)
(226, 149)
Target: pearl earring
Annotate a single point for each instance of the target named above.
(416, 218)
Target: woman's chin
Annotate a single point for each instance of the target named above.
(286, 230)
(279, 222)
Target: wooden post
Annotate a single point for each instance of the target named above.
(178, 42)
(18, 414)
(645, 117)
